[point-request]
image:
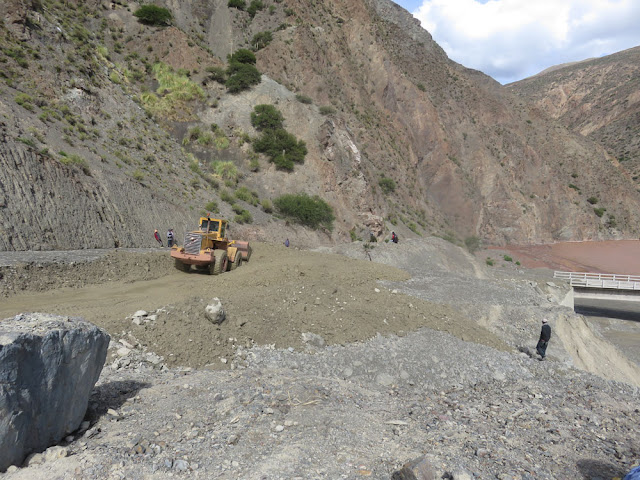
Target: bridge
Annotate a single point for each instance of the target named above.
(607, 287)
(600, 280)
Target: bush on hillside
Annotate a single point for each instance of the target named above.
(153, 15)
(308, 211)
(243, 78)
(254, 7)
(304, 99)
(327, 110)
(472, 243)
(281, 147)
(266, 117)
(261, 40)
(239, 4)
(217, 74)
(242, 56)
(387, 185)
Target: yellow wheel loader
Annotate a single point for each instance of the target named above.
(208, 248)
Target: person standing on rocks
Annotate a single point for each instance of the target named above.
(170, 238)
(545, 336)
(156, 235)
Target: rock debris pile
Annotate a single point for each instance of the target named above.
(316, 408)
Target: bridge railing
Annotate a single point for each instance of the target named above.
(600, 280)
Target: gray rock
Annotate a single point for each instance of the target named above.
(419, 469)
(313, 340)
(214, 312)
(48, 367)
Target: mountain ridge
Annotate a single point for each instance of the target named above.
(466, 158)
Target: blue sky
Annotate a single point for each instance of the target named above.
(514, 39)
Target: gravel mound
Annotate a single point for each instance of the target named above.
(348, 377)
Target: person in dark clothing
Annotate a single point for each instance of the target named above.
(394, 237)
(170, 238)
(545, 336)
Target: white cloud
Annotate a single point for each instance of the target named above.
(513, 39)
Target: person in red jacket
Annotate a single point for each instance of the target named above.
(157, 237)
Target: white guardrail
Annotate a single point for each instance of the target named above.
(600, 280)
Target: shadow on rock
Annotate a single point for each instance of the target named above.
(112, 395)
(596, 469)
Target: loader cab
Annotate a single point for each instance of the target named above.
(213, 225)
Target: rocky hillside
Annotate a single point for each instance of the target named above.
(111, 127)
(598, 98)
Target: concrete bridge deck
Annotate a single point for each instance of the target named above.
(601, 281)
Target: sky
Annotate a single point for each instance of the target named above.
(513, 39)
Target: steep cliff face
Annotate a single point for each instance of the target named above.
(376, 100)
(597, 98)
(464, 151)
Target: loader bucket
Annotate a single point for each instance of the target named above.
(244, 249)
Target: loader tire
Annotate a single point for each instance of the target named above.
(248, 253)
(183, 267)
(236, 262)
(220, 263)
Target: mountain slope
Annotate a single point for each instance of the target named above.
(598, 98)
(98, 152)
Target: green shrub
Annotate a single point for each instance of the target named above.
(211, 206)
(571, 185)
(138, 175)
(226, 170)
(75, 160)
(413, 227)
(153, 15)
(352, 234)
(327, 110)
(274, 142)
(25, 101)
(226, 196)
(592, 200)
(472, 243)
(261, 40)
(489, 262)
(304, 99)
(243, 217)
(309, 211)
(217, 74)
(599, 211)
(254, 7)
(243, 56)
(244, 76)
(244, 194)
(239, 4)
(266, 117)
(266, 204)
(27, 141)
(507, 258)
(387, 185)
(175, 88)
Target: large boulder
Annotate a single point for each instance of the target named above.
(48, 367)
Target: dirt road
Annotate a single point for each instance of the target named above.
(273, 299)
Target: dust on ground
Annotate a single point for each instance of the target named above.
(271, 300)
